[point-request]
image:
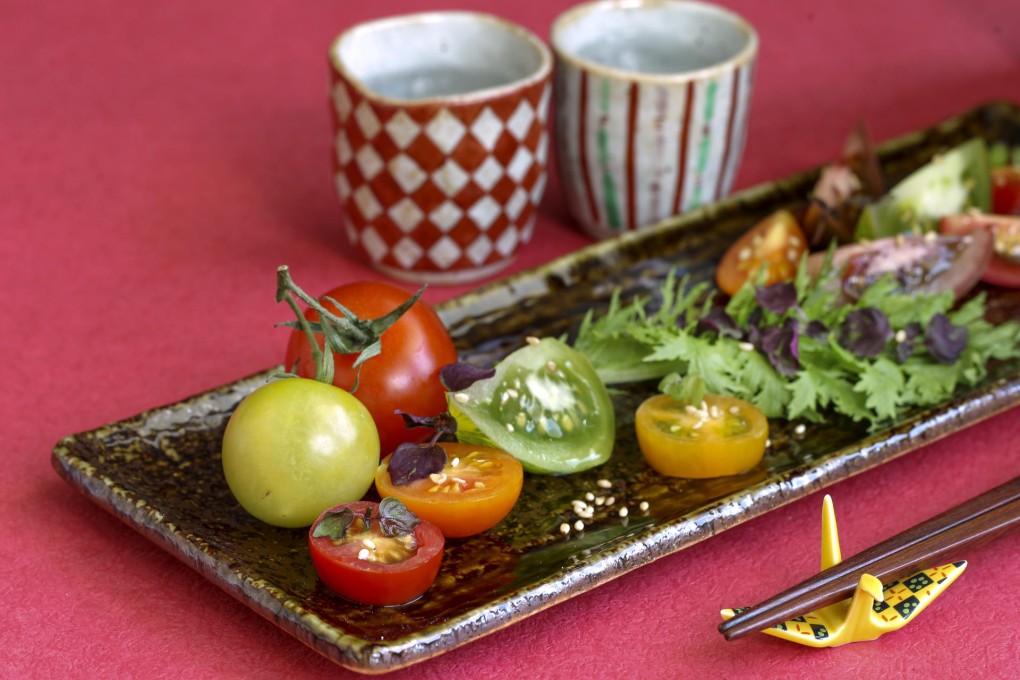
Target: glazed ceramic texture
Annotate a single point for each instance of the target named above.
(160, 471)
(440, 142)
(652, 105)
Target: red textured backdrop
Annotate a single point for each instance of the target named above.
(158, 161)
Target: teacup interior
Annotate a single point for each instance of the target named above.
(438, 55)
(654, 38)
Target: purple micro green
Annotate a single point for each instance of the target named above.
(461, 375)
(945, 341)
(865, 332)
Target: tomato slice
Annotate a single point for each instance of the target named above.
(925, 264)
(1004, 267)
(776, 243)
(545, 406)
(1006, 190)
(951, 183)
(475, 490)
(371, 568)
(723, 436)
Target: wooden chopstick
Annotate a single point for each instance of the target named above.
(927, 544)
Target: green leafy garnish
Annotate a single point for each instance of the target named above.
(796, 350)
(394, 519)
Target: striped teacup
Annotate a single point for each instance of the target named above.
(652, 100)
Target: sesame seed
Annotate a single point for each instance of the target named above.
(369, 543)
(461, 398)
(579, 525)
(532, 340)
(623, 512)
(610, 501)
(745, 346)
(455, 462)
(768, 443)
(600, 500)
(564, 528)
(363, 554)
(604, 484)
(800, 429)
(509, 427)
(901, 336)
(644, 506)
(744, 254)
(551, 365)
(589, 496)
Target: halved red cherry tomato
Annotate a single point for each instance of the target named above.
(776, 243)
(1006, 190)
(369, 567)
(722, 436)
(1004, 267)
(404, 376)
(474, 492)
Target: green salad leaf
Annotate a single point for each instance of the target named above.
(797, 351)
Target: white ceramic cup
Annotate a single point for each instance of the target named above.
(652, 101)
(440, 142)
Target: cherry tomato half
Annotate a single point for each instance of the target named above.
(404, 376)
(724, 436)
(1004, 266)
(776, 243)
(371, 568)
(475, 490)
(1006, 190)
(295, 447)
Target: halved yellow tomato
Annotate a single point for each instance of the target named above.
(722, 436)
(475, 490)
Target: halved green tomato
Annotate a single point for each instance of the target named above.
(953, 182)
(722, 436)
(545, 405)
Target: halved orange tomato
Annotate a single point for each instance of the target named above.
(722, 436)
(776, 243)
(475, 490)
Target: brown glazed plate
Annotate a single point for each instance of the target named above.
(160, 471)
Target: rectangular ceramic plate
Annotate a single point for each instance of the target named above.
(160, 471)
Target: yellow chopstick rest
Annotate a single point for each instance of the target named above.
(872, 611)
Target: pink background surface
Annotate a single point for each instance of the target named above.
(158, 161)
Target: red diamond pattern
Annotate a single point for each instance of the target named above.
(433, 190)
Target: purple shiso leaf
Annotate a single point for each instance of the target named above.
(905, 347)
(780, 347)
(460, 376)
(411, 462)
(945, 341)
(777, 298)
(865, 332)
(443, 423)
(817, 331)
(718, 321)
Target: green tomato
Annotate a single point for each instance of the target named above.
(953, 182)
(545, 405)
(295, 447)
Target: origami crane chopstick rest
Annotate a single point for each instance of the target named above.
(872, 611)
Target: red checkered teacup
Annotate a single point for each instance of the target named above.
(440, 142)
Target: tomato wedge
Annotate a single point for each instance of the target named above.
(1004, 267)
(722, 436)
(368, 566)
(476, 489)
(776, 243)
(1006, 190)
(546, 406)
(926, 264)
